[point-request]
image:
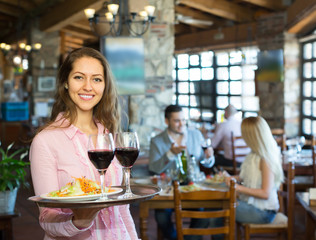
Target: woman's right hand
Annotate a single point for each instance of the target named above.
(83, 217)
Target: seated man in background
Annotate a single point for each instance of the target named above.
(164, 151)
(222, 137)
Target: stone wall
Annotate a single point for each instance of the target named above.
(279, 101)
(43, 63)
(291, 85)
(147, 111)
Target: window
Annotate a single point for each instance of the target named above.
(308, 87)
(205, 83)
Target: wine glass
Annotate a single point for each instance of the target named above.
(300, 142)
(206, 143)
(101, 153)
(126, 152)
(207, 162)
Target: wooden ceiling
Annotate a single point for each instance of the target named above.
(191, 17)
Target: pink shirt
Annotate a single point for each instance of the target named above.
(57, 155)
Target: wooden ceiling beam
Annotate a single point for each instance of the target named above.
(301, 16)
(10, 10)
(186, 11)
(18, 3)
(203, 39)
(272, 5)
(73, 45)
(73, 39)
(222, 8)
(65, 13)
(80, 33)
(83, 24)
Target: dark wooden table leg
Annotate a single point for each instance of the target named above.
(143, 219)
(6, 224)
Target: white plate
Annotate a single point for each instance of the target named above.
(80, 198)
(212, 181)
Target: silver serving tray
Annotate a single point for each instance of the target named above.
(142, 192)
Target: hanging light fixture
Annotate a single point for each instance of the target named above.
(19, 53)
(112, 17)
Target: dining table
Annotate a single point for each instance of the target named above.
(303, 161)
(310, 215)
(164, 200)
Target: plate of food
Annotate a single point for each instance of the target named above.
(215, 179)
(191, 187)
(81, 189)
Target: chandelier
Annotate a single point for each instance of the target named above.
(113, 17)
(19, 54)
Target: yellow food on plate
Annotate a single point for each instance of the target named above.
(80, 187)
(217, 178)
(190, 188)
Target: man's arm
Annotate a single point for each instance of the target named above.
(160, 157)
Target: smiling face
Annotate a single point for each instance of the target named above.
(86, 84)
(176, 122)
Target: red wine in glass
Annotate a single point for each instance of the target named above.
(101, 152)
(100, 158)
(126, 152)
(127, 156)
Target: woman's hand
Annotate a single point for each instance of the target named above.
(227, 180)
(83, 217)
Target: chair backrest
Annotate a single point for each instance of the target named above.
(239, 151)
(280, 137)
(222, 202)
(287, 198)
(314, 159)
(290, 195)
(312, 144)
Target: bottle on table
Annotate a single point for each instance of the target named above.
(193, 169)
(183, 178)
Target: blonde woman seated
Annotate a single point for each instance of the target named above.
(261, 174)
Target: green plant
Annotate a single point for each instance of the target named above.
(12, 168)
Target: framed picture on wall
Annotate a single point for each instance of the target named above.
(46, 84)
(270, 66)
(126, 58)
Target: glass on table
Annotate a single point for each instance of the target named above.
(207, 163)
(126, 152)
(101, 153)
(300, 142)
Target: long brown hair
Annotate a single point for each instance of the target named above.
(107, 111)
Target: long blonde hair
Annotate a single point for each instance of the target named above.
(257, 134)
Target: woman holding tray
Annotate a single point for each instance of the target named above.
(86, 102)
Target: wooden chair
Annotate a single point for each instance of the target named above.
(224, 201)
(305, 177)
(239, 151)
(280, 137)
(283, 223)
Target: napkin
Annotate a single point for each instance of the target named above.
(312, 196)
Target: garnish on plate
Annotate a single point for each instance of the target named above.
(80, 187)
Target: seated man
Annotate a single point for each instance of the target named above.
(222, 137)
(164, 151)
